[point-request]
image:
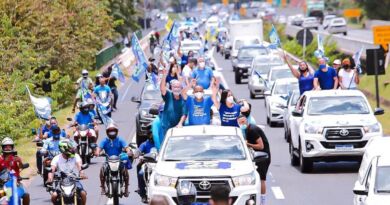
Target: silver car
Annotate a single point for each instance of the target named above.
(261, 65)
(338, 25)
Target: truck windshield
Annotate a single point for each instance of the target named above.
(340, 105)
(204, 148)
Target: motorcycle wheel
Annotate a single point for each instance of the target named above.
(115, 196)
(83, 154)
(44, 177)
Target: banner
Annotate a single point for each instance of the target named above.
(117, 73)
(42, 106)
(141, 62)
(274, 37)
(356, 57)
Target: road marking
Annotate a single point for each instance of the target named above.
(218, 69)
(278, 193)
(127, 90)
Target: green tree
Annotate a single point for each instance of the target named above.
(124, 14)
(376, 9)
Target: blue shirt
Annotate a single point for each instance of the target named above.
(305, 83)
(184, 60)
(325, 79)
(203, 77)
(199, 112)
(113, 147)
(50, 134)
(84, 119)
(173, 110)
(93, 113)
(102, 89)
(45, 129)
(52, 145)
(229, 115)
(146, 146)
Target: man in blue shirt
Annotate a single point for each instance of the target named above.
(144, 148)
(102, 92)
(114, 145)
(55, 130)
(199, 106)
(203, 75)
(325, 78)
(84, 117)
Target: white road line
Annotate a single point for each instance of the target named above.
(127, 90)
(218, 69)
(110, 201)
(278, 193)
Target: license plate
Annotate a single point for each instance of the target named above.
(345, 147)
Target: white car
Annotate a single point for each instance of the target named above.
(191, 45)
(373, 184)
(276, 99)
(327, 19)
(310, 22)
(219, 156)
(338, 25)
(261, 65)
(331, 125)
(291, 103)
(278, 72)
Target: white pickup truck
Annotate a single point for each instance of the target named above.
(206, 156)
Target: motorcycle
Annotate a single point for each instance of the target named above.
(47, 163)
(9, 193)
(86, 143)
(65, 186)
(147, 168)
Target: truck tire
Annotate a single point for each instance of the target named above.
(251, 95)
(237, 77)
(305, 164)
(227, 56)
(294, 160)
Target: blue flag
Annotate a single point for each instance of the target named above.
(356, 57)
(154, 78)
(117, 73)
(173, 35)
(140, 58)
(273, 36)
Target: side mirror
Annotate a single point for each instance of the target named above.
(260, 157)
(154, 111)
(135, 99)
(150, 157)
(360, 189)
(297, 113)
(25, 165)
(69, 119)
(33, 131)
(267, 93)
(84, 166)
(379, 111)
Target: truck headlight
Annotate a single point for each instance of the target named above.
(245, 180)
(376, 127)
(162, 180)
(277, 104)
(313, 128)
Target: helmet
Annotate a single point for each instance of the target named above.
(99, 75)
(186, 192)
(7, 141)
(56, 131)
(67, 148)
(112, 131)
(90, 102)
(84, 107)
(84, 72)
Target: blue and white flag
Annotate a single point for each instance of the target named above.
(140, 58)
(42, 106)
(173, 35)
(320, 52)
(117, 73)
(274, 37)
(356, 57)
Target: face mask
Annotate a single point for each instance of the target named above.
(230, 99)
(85, 110)
(112, 134)
(176, 92)
(243, 129)
(199, 95)
(202, 64)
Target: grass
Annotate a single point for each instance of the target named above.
(368, 83)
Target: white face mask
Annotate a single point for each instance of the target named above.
(111, 133)
(230, 99)
(199, 95)
(202, 64)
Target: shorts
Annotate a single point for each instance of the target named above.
(262, 169)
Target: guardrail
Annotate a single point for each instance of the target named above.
(345, 44)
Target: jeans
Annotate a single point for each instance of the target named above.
(116, 95)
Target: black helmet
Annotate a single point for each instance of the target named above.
(112, 131)
(84, 107)
(186, 192)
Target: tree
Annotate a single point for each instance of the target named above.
(376, 9)
(124, 15)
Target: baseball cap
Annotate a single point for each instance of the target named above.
(337, 62)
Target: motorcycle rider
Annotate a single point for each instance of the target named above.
(83, 84)
(68, 162)
(85, 117)
(102, 89)
(113, 145)
(110, 81)
(9, 160)
(144, 148)
(42, 132)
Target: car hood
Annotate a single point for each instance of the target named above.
(206, 168)
(376, 199)
(342, 120)
(146, 104)
(282, 99)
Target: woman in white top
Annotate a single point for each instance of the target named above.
(348, 76)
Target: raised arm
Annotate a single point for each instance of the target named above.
(163, 83)
(185, 90)
(293, 70)
(215, 88)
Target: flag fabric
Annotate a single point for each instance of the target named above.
(42, 106)
(117, 73)
(169, 24)
(320, 45)
(274, 37)
(173, 35)
(141, 62)
(154, 80)
(356, 57)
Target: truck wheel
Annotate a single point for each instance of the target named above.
(306, 165)
(237, 77)
(294, 160)
(227, 56)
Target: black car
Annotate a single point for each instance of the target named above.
(243, 62)
(149, 97)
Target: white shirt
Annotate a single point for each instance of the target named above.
(187, 71)
(66, 165)
(348, 80)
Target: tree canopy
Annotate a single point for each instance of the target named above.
(376, 9)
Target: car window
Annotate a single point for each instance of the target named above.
(294, 99)
(208, 147)
(252, 52)
(241, 43)
(301, 103)
(284, 88)
(339, 105)
(382, 180)
(280, 74)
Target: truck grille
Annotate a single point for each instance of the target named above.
(332, 145)
(343, 133)
(204, 185)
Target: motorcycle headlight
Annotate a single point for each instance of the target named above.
(67, 190)
(161, 180)
(376, 127)
(83, 133)
(245, 180)
(313, 128)
(114, 166)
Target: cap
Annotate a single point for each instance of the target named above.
(337, 62)
(346, 61)
(322, 66)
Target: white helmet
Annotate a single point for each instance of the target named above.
(7, 141)
(84, 71)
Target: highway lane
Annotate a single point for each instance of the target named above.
(330, 183)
